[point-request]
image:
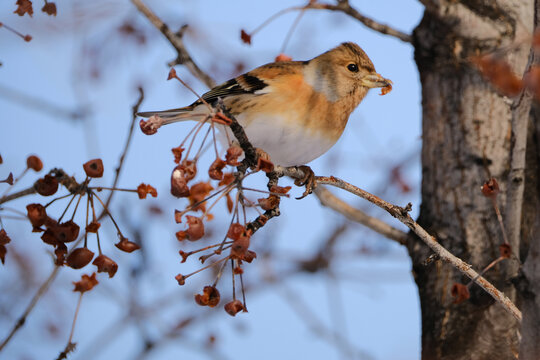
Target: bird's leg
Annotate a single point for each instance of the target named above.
(308, 180)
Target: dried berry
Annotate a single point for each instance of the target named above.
(460, 293)
(246, 38)
(34, 163)
(179, 187)
(198, 193)
(126, 245)
(46, 186)
(385, 90)
(269, 203)
(49, 237)
(24, 7)
(178, 216)
(181, 279)
(4, 238)
(249, 256)
(79, 258)
(60, 252)
(94, 168)
(505, 250)
(490, 188)
(105, 264)
(240, 246)
(3, 252)
(177, 152)
(151, 126)
(49, 8)
(181, 235)
(280, 190)
(216, 169)
(232, 155)
(8, 180)
(195, 229)
(265, 165)
(210, 297)
(172, 74)
(227, 179)
(184, 255)
(143, 190)
(86, 283)
(235, 231)
(36, 214)
(93, 227)
(234, 307)
(66, 232)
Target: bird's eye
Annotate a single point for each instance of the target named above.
(352, 67)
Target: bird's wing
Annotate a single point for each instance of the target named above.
(250, 83)
(253, 82)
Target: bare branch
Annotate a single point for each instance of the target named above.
(330, 200)
(402, 214)
(345, 7)
(18, 194)
(177, 42)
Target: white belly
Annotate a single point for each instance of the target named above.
(287, 145)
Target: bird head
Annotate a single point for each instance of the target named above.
(342, 71)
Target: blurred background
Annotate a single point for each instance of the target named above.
(67, 97)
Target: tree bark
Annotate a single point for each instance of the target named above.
(471, 133)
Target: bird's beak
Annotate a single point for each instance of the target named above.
(375, 81)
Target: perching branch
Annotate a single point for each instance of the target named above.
(346, 8)
(402, 214)
(176, 40)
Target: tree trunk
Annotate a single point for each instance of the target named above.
(472, 133)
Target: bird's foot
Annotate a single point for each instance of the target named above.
(308, 180)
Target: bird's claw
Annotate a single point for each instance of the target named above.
(308, 180)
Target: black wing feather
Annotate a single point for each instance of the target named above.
(244, 84)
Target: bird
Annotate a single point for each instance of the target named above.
(294, 111)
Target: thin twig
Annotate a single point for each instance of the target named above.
(177, 42)
(29, 191)
(126, 146)
(345, 7)
(22, 319)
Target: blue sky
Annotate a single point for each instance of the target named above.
(369, 297)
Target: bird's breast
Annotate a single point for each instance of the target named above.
(287, 142)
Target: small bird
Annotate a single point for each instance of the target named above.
(295, 111)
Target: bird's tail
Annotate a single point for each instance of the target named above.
(178, 114)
